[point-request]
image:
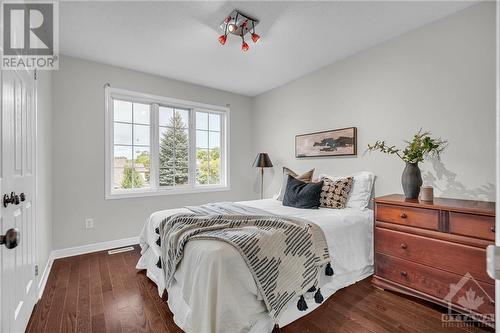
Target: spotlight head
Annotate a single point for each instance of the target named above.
(222, 39)
(244, 46)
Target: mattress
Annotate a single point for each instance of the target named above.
(213, 290)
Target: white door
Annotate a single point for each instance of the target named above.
(17, 190)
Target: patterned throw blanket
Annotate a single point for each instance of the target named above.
(284, 255)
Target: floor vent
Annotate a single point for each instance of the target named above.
(120, 250)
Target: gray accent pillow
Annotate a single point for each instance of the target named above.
(305, 177)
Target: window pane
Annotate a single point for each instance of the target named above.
(174, 154)
(139, 179)
(182, 138)
(162, 132)
(141, 113)
(142, 162)
(167, 163)
(214, 140)
(132, 178)
(122, 111)
(201, 139)
(181, 176)
(117, 178)
(141, 135)
(201, 166)
(122, 134)
(165, 115)
(214, 166)
(202, 120)
(122, 156)
(214, 122)
(167, 176)
(184, 117)
(181, 157)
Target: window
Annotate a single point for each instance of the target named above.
(157, 145)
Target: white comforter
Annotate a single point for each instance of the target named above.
(214, 291)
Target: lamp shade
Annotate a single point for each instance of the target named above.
(262, 161)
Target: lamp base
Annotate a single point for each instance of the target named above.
(261, 183)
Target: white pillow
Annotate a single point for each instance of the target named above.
(361, 191)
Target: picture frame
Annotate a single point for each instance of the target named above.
(330, 143)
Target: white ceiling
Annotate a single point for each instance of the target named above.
(179, 39)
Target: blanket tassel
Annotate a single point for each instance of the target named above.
(312, 289)
(157, 230)
(158, 241)
(318, 298)
(328, 270)
(158, 264)
(301, 304)
(276, 329)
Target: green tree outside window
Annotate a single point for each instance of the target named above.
(174, 153)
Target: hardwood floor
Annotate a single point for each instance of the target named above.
(104, 293)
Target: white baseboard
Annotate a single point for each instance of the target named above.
(45, 276)
(77, 250)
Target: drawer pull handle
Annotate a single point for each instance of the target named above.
(492, 229)
(404, 246)
(404, 274)
(403, 215)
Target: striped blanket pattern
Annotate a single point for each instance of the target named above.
(284, 255)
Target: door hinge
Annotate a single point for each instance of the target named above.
(36, 270)
(35, 74)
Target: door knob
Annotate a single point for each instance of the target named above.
(11, 238)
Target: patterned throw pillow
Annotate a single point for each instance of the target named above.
(335, 192)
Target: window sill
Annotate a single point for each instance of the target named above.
(123, 194)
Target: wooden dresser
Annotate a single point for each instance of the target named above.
(421, 248)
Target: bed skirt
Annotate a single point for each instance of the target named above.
(262, 323)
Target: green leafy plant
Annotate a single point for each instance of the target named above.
(131, 178)
(421, 147)
(208, 166)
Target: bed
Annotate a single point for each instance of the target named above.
(212, 271)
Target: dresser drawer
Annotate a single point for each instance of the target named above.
(452, 257)
(433, 281)
(416, 217)
(478, 226)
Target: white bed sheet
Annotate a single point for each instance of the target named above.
(213, 290)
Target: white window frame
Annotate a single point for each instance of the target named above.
(155, 101)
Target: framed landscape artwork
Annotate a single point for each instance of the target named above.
(337, 142)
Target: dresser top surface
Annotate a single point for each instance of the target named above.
(459, 205)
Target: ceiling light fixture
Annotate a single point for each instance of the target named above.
(239, 24)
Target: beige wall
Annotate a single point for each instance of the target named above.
(79, 152)
(440, 77)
